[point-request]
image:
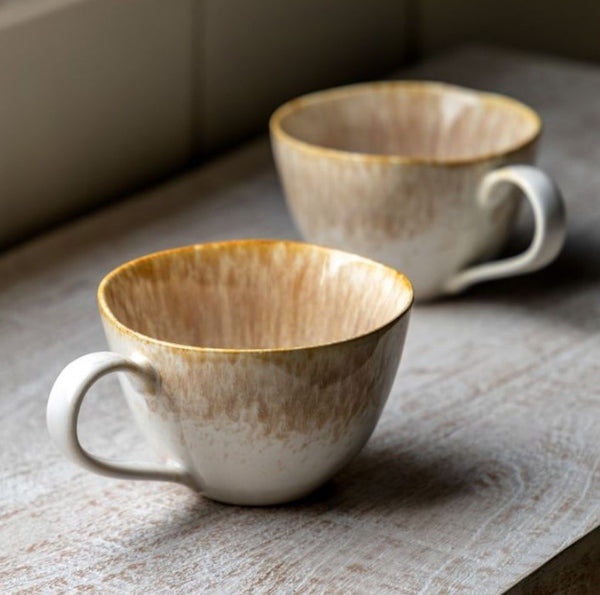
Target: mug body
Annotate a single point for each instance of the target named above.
(268, 424)
(392, 171)
(263, 428)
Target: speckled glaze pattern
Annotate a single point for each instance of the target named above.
(274, 359)
(392, 171)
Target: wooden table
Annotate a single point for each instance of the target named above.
(484, 465)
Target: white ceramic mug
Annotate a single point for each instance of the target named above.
(255, 368)
(422, 176)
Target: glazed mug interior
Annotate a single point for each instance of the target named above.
(413, 120)
(252, 296)
(256, 369)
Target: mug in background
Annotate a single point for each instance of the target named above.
(256, 368)
(421, 176)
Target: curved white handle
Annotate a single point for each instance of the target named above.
(550, 226)
(65, 402)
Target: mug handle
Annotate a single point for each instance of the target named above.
(64, 404)
(549, 219)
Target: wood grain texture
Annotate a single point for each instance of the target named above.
(483, 467)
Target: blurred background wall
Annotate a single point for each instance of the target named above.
(99, 98)
(569, 28)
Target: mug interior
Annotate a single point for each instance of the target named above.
(253, 295)
(415, 120)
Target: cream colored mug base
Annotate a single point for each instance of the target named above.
(242, 471)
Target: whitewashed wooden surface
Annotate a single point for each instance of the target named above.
(483, 467)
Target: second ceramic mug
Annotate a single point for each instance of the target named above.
(257, 369)
(422, 176)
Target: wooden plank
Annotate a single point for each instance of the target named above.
(484, 465)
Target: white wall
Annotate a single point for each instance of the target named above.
(94, 99)
(98, 97)
(259, 53)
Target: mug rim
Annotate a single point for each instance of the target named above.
(299, 103)
(109, 316)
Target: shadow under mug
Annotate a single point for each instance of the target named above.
(256, 368)
(422, 176)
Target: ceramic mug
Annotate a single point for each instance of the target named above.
(255, 368)
(422, 176)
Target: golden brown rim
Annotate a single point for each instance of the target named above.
(322, 96)
(108, 315)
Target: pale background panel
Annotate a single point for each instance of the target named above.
(553, 26)
(103, 96)
(95, 100)
(255, 55)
